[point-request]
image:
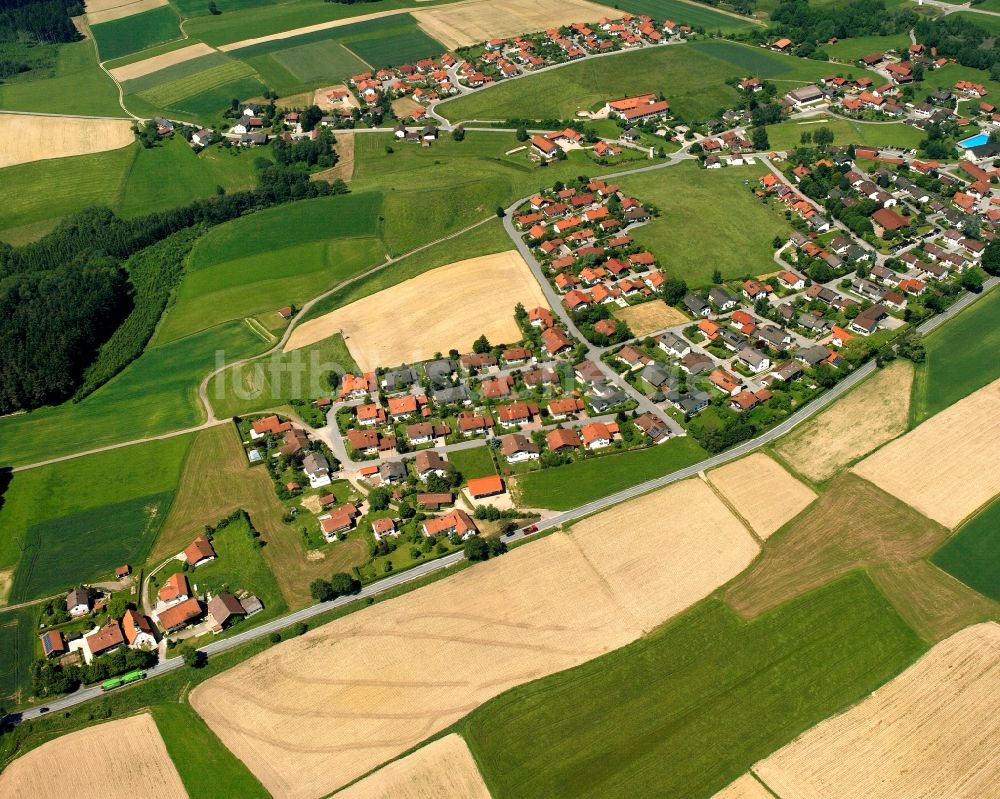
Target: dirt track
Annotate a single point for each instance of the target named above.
(124, 758)
(932, 732)
(30, 138)
(317, 711)
(448, 307)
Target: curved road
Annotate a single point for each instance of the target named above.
(381, 586)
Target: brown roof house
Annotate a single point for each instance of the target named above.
(175, 617)
(221, 608)
(199, 551)
(139, 630)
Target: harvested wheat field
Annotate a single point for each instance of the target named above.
(344, 169)
(852, 525)
(90, 764)
(111, 11)
(318, 711)
(320, 26)
(946, 467)
(475, 21)
(762, 492)
(932, 732)
(873, 413)
(441, 769)
(29, 138)
(649, 317)
(745, 787)
(448, 307)
(158, 62)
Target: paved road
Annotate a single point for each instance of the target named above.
(379, 587)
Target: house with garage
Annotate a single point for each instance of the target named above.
(221, 608)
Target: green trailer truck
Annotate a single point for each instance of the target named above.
(124, 679)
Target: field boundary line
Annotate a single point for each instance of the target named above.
(732, 508)
(258, 329)
(763, 784)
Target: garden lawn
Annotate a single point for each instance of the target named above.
(277, 378)
(961, 358)
(709, 219)
(691, 76)
(695, 15)
(202, 760)
(77, 86)
(17, 645)
(565, 487)
(137, 32)
(472, 463)
(157, 393)
(973, 553)
(692, 706)
(852, 50)
(788, 134)
(50, 503)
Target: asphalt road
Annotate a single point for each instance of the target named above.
(381, 586)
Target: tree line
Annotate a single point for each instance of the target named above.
(65, 295)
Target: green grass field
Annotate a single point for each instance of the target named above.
(689, 708)
(173, 92)
(973, 553)
(389, 41)
(155, 394)
(252, 19)
(788, 134)
(63, 552)
(472, 463)
(985, 21)
(54, 496)
(702, 213)
(273, 380)
(202, 760)
(565, 487)
(120, 37)
(77, 86)
(850, 50)
(961, 358)
(17, 645)
(175, 73)
(691, 76)
(946, 76)
(318, 63)
(695, 15)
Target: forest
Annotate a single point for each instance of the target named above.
(64, 296)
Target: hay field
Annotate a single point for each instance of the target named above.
(320, 710)
(873, 413)
(934, 731)
(946, 467)
(112, 10)
(746, 787)
(468, 23)
(158, 62)
(124, 758)
(649, 317)
(762, 492)
(448, 307)
(442, 768)
(30, 138)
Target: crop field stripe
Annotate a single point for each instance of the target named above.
(182, 88)
(127, 35)
(17, 645)
(174, 73)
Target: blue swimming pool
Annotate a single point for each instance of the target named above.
(974, 141)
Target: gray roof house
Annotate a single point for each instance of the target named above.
(722, 299)
(696, 305)
(453, 395)
(399, 379)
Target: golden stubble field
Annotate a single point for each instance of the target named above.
(946, 467)
(475, 21)
(932, 732)
(873, 413)
(29, 138)
(158, 62)
(448, 307)
(315, 712)
(444, 768)
(125, 758)
(107, 10)
(762, 492)
(649, 317)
